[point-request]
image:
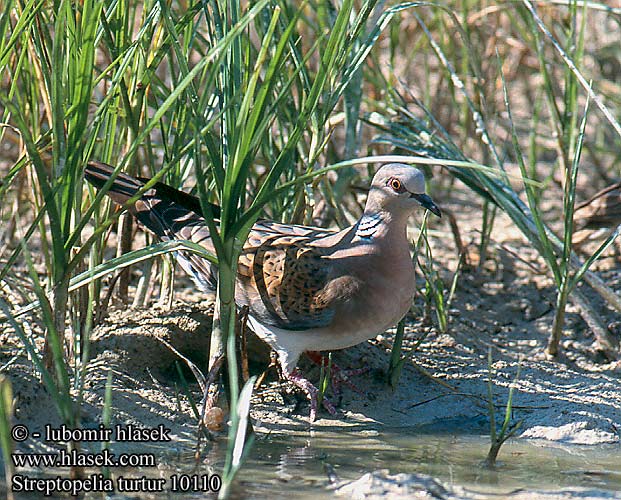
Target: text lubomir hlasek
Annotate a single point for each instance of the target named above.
(119, 432)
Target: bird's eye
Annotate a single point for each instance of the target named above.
(396, 185)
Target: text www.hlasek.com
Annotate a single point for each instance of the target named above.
(75, 459)
(126, 482)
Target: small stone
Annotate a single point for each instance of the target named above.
(213, 419)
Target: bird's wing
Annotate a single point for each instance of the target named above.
(288, 282)
(265, 229)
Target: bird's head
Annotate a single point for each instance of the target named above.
(399, 187)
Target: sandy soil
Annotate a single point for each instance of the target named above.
(506, 306)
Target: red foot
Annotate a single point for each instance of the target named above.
(338, 376)
(311, 392)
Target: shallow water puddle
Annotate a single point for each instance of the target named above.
(312, 464)
(298, 466)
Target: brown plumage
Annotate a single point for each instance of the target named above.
(307, 288)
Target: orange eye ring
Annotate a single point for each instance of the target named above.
(396, 185)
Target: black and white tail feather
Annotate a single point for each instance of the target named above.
(167, 212)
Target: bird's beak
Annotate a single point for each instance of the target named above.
(426, 202)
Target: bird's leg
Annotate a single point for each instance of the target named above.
(297, 379)
(338, 376)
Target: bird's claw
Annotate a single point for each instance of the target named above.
(338, 376)
(312, 393)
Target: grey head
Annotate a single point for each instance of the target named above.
(397, 187)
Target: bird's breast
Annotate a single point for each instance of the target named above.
(380, 303)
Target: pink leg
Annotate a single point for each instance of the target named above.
(311, 392)
(338, 376)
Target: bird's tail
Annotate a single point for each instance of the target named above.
(123, 187)
(167, 212)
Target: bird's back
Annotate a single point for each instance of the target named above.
(282, 275)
